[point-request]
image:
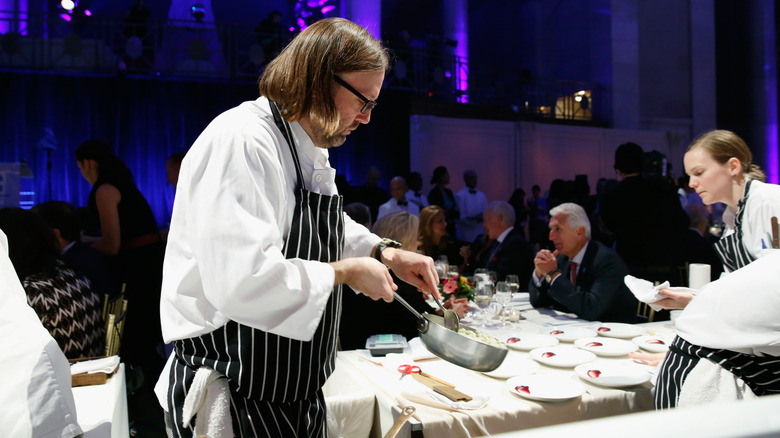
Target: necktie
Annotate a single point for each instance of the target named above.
(402, 203)
(472, 191)
(573, 267)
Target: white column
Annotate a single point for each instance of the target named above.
(367, 13)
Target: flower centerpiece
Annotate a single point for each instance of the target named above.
(457, 286)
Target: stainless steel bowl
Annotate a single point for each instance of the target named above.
(457, 348)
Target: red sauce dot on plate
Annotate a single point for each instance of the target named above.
(604, 329)
(512, 340)
(654, 341)
(523, 388)
(556, 332)
(595, 344)
(548, 354)
(594, 373)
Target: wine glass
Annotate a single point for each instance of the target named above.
(482, 297)
(503, 296)
(480, 275)
(514, 282)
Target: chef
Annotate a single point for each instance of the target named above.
(259, 246)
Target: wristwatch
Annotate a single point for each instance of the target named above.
(385, 243)
(551, 275)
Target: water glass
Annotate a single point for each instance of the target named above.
(482, 297)
(503, 296)
(514, 282)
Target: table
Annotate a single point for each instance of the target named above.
(504, 410)
(102, 409)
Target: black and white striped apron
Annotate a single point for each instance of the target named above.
(731, 249)
(275, 381)
(761, 374)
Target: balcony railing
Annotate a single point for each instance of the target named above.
(218, 51)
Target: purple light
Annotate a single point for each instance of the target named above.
(65, 17)
(292, 28)
(327, 9)
(447, 74)
(87, 12)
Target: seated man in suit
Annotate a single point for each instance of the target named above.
(62, 218)
(510, 253)
(581, 276)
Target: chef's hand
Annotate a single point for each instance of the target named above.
(366, 275)
(545, 262)
(415, 269)
(674, 300)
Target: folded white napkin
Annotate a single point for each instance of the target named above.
(418, 350)
(103, 365)
(645, 292)
(430, 398)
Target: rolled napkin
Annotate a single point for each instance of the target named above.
(103, 365)
(698, 275)
(645, 292)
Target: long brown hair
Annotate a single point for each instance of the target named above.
(427, 216)
(300, 79)
(724, 145)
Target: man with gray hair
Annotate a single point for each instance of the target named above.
(581, 276)
(510, 253)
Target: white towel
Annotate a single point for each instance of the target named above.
(708, 382)
(209, 399)
(645, 292)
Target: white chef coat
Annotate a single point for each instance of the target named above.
(233, 209)
(35, 394)
(738, 312)
(763, 202)
(392, 206)
(470, 204)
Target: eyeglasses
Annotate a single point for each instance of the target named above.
(368, 104)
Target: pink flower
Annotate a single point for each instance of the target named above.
(450, 287)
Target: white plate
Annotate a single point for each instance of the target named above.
(606, 346)
(525, 341)
(571, 334)
(563, 357)
(514, 365)
(619, 330)
(612, 374)
(653, 343)
(545, 387)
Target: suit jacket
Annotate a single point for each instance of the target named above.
(600, 293)
(513, 256)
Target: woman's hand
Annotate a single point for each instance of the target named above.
(674, 300)
(652, 359)
(459, 306)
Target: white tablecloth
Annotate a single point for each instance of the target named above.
(504, 410)
(102, 409)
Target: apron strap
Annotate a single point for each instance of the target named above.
(287, 133)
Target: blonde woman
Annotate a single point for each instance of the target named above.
(362, 317)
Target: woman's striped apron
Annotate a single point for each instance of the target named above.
(275, 381)
(761, 374)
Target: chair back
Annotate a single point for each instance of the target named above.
(115, 327)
